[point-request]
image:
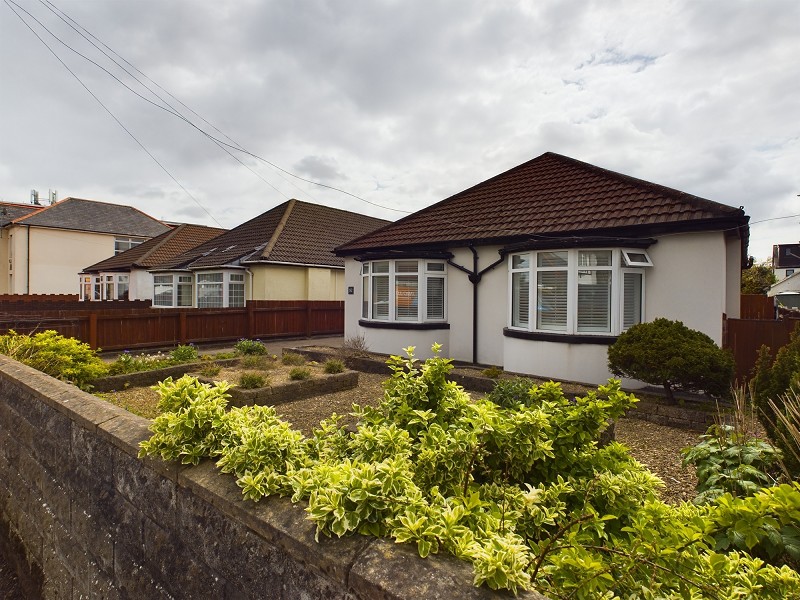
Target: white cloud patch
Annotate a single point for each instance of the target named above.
(405, 103)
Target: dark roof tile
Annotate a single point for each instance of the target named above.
(158, 250)
(97, 217)
(294, 232)
(551, 194)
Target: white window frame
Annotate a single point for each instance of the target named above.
(121, 244)
(621, 263)
(227, 285)
(426, 271)
(104, 286)
(175, 282)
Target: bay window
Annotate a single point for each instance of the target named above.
(105, 286)
(576, 291)
(411, 291)
(172, 290)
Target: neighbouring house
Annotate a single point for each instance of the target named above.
(785, 260)
(125, 276)
(540, 268)
(45, 247)
(786, 291)
(285, 253)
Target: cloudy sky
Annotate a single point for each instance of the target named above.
(398, 103)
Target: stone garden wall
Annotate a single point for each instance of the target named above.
(85, 518)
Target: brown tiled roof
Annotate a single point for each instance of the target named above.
(158, 250)
(549, 196)
(97, 217)
(294, 232)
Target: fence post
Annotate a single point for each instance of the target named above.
(308, 318)
(251, 321)
(182, 327)
(93, 330)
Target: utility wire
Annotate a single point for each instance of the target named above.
(100, 102)
(234, 145)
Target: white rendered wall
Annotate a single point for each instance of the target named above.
(584, 363)
(56, 258)
(688, 281)
(733, 277)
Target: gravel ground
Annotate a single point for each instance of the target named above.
(656, 446)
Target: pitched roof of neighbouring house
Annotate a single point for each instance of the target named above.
(159, 249)
(9, 212)
(97, 217)
(294, 232)
(551, 194)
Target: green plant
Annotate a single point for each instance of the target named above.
(772, 380)
(135, 363)
(210, 370)
(256, 361)
(730, 462)
(355, 346)
(250, 381)
(757, 278)
(191, 423)
(184, 354)
(61, 357)
(509, 393)
(250, 347)
(293, 358)
(668, 353)
(787, 414)
(524, 494)
(333, 365)
(492, 372)
(299, 374)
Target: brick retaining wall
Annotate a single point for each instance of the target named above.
(91, 520)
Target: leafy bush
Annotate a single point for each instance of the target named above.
(772, 380)
(249, 347)
(333, 365)
(668, 353)
(492, 372)
(524, 494)
(729, 462)
(293, 358)
(509, 393)
(251, 381)
(299, 374)
(788, 415)
(184, 354)
(58, 356)
(191, 425)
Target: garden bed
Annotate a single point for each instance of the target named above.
(152, 376)
(693, 414)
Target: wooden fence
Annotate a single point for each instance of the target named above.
(756, 306)
(744, 338)
(113, 326)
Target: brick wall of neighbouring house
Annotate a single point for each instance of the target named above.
(86, 518)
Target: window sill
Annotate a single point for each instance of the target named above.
(402, 325)
(564, 338)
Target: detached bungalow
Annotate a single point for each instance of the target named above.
(285, 253)
(540, 268)
(125, 276)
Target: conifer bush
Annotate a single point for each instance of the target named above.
(669, 354)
